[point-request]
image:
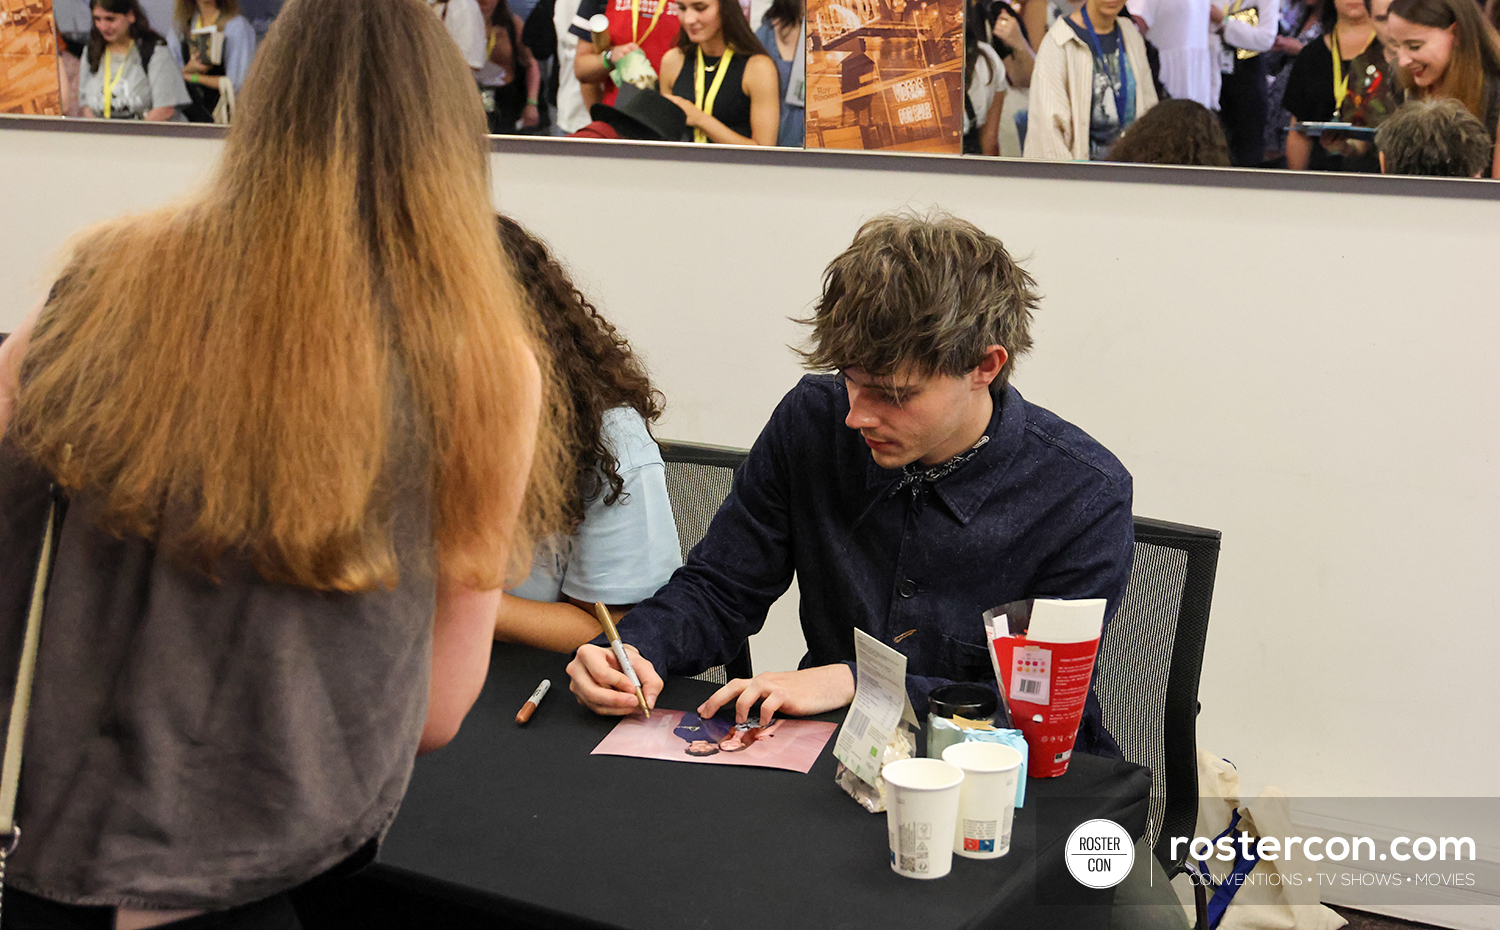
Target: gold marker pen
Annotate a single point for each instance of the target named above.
(613, 635)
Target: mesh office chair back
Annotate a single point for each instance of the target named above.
(1148, 669)
(698, 480)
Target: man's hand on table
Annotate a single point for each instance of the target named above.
(800, 694)
(599, 685)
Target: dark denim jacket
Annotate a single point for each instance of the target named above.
(1041, 511)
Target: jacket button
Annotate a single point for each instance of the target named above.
(908, 588)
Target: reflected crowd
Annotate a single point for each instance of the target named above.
(1401, 86)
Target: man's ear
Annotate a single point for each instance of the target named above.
(989, 367)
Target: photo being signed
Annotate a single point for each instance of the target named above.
(683, 736)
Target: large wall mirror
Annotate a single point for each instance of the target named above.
(1354, 86)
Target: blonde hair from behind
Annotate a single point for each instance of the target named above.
(254, 358)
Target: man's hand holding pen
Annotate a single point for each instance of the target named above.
(596, 679)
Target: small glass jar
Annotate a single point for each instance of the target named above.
(974, 702)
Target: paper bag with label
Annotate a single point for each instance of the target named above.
(880, 723)
(1044, 652)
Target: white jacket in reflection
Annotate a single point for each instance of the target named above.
(1236, 34)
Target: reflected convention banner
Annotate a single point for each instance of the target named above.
(885, 74)
(28, 59)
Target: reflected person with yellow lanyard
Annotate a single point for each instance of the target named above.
(1246, 28)
(1343, 77)
(647, 25)
(127, 71)
(721, 76)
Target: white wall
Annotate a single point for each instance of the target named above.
(1311, 372)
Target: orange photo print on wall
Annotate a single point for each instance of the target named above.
(885, 74)
(28, 59)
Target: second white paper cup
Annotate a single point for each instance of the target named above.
(921, 810)
(987, 798)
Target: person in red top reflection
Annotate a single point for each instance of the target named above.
(648, 25)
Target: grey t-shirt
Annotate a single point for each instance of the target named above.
(135, 89)
(198, 743)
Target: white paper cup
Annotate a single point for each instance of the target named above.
(986, 799)
(920, 813)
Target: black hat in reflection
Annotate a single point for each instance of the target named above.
(642, 114)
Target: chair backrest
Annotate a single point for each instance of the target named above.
(698, 479)
(1148, 668)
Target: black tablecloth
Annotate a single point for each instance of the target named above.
(525, 821)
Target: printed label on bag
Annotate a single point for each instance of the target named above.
(1031, 675)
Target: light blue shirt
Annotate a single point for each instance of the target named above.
(621, 552)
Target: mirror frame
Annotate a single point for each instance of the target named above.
(1095, 171)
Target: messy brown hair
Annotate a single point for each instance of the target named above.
(1436, 137)
(596, 369)
(253, 359)
(928, 293)
(1174, 132)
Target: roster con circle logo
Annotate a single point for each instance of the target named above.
(1100, 853)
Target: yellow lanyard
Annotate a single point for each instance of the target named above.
(713, 92)
(109, 86)
(635, 20)
(1340, 79)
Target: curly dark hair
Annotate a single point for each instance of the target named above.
(1174, 132)
(591, 359)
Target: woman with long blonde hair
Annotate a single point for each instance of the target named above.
(295, 417)
(213, 45)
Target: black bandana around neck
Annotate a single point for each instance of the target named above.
(913, 474)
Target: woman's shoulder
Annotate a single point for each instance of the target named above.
(239, 27)
(1315, 56)
(988, 53)
(625, 430)
(762, 66)
(671, 60)
(1315, 49)
(161, 56)
(1061, 30)
(1059, 34)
